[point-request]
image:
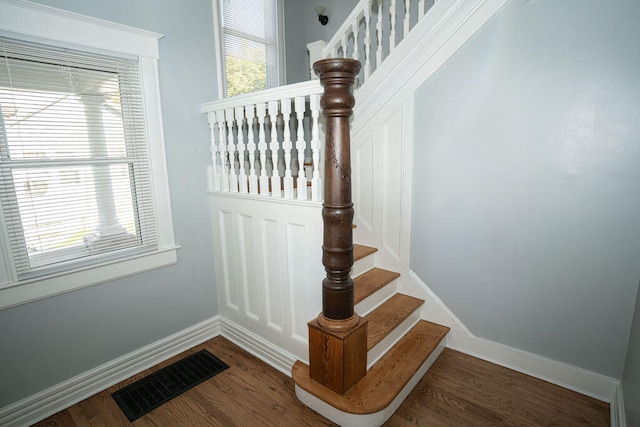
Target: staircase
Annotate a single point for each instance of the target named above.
(268, 242)
(401, 348)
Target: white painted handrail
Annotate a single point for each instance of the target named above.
(370, 33)
(252, 143)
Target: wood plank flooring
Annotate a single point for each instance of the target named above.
(458, 390)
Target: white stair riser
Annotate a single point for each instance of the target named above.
(368, 304)
(392, 338)
(363, 265)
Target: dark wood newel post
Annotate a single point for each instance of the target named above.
(337, 76)
(337, 337)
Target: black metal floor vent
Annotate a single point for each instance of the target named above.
(147, 394)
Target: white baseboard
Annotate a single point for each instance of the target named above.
(618, 414)
(67, 393)
(460, 338)
(269, 353)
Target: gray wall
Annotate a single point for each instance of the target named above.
(45, 342)
(337, 11)
(295, 42)
(631, 377)
(526, 219)
(302, 27)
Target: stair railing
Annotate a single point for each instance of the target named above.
(267, 143)
(371, 32)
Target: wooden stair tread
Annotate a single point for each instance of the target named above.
(384, 381)
(371, 281)
(388, 316)
(361, 251)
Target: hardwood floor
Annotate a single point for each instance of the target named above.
(458, 390)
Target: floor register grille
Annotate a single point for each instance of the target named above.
(145, 395)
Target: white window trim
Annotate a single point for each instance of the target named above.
(29, 20)
(218, 37)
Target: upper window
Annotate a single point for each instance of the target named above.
(83, 183)
(251, 45)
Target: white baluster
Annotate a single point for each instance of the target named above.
(276, 186)
(224, 160)
(214, 152)
(407, 17)
(287, 145)
(421, 9)
(301, 145)
(392, 27)
(262, 147)
(344, 45)
(379, 32)
(355, 27)
(316, 183)
(367, 42)
(242, 153)
(251, 146)
(232, 149)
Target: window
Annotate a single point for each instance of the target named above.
(73, 160)
(83, 184)
(251, 45)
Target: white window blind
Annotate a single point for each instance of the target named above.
(250, 39)
(74, 170)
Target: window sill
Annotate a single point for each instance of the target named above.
(30, 290)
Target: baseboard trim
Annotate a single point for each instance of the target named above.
(618, 414)
(67, 393)
(264, 350)
(460, 338)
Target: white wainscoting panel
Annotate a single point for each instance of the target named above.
(380, 199)
(297, 261)
(364, 171)
(227, 257)
(268, 263)
(250, 288)
(271, 273)
(392, 145)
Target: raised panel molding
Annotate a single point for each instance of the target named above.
(271, 273)
(269, 283)
(392, 191)
(246, 254)
(363, 184)
(297, 260)
(227, 259)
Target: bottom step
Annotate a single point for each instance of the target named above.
(377, 396)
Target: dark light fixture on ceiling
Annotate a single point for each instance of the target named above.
(321, 16)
